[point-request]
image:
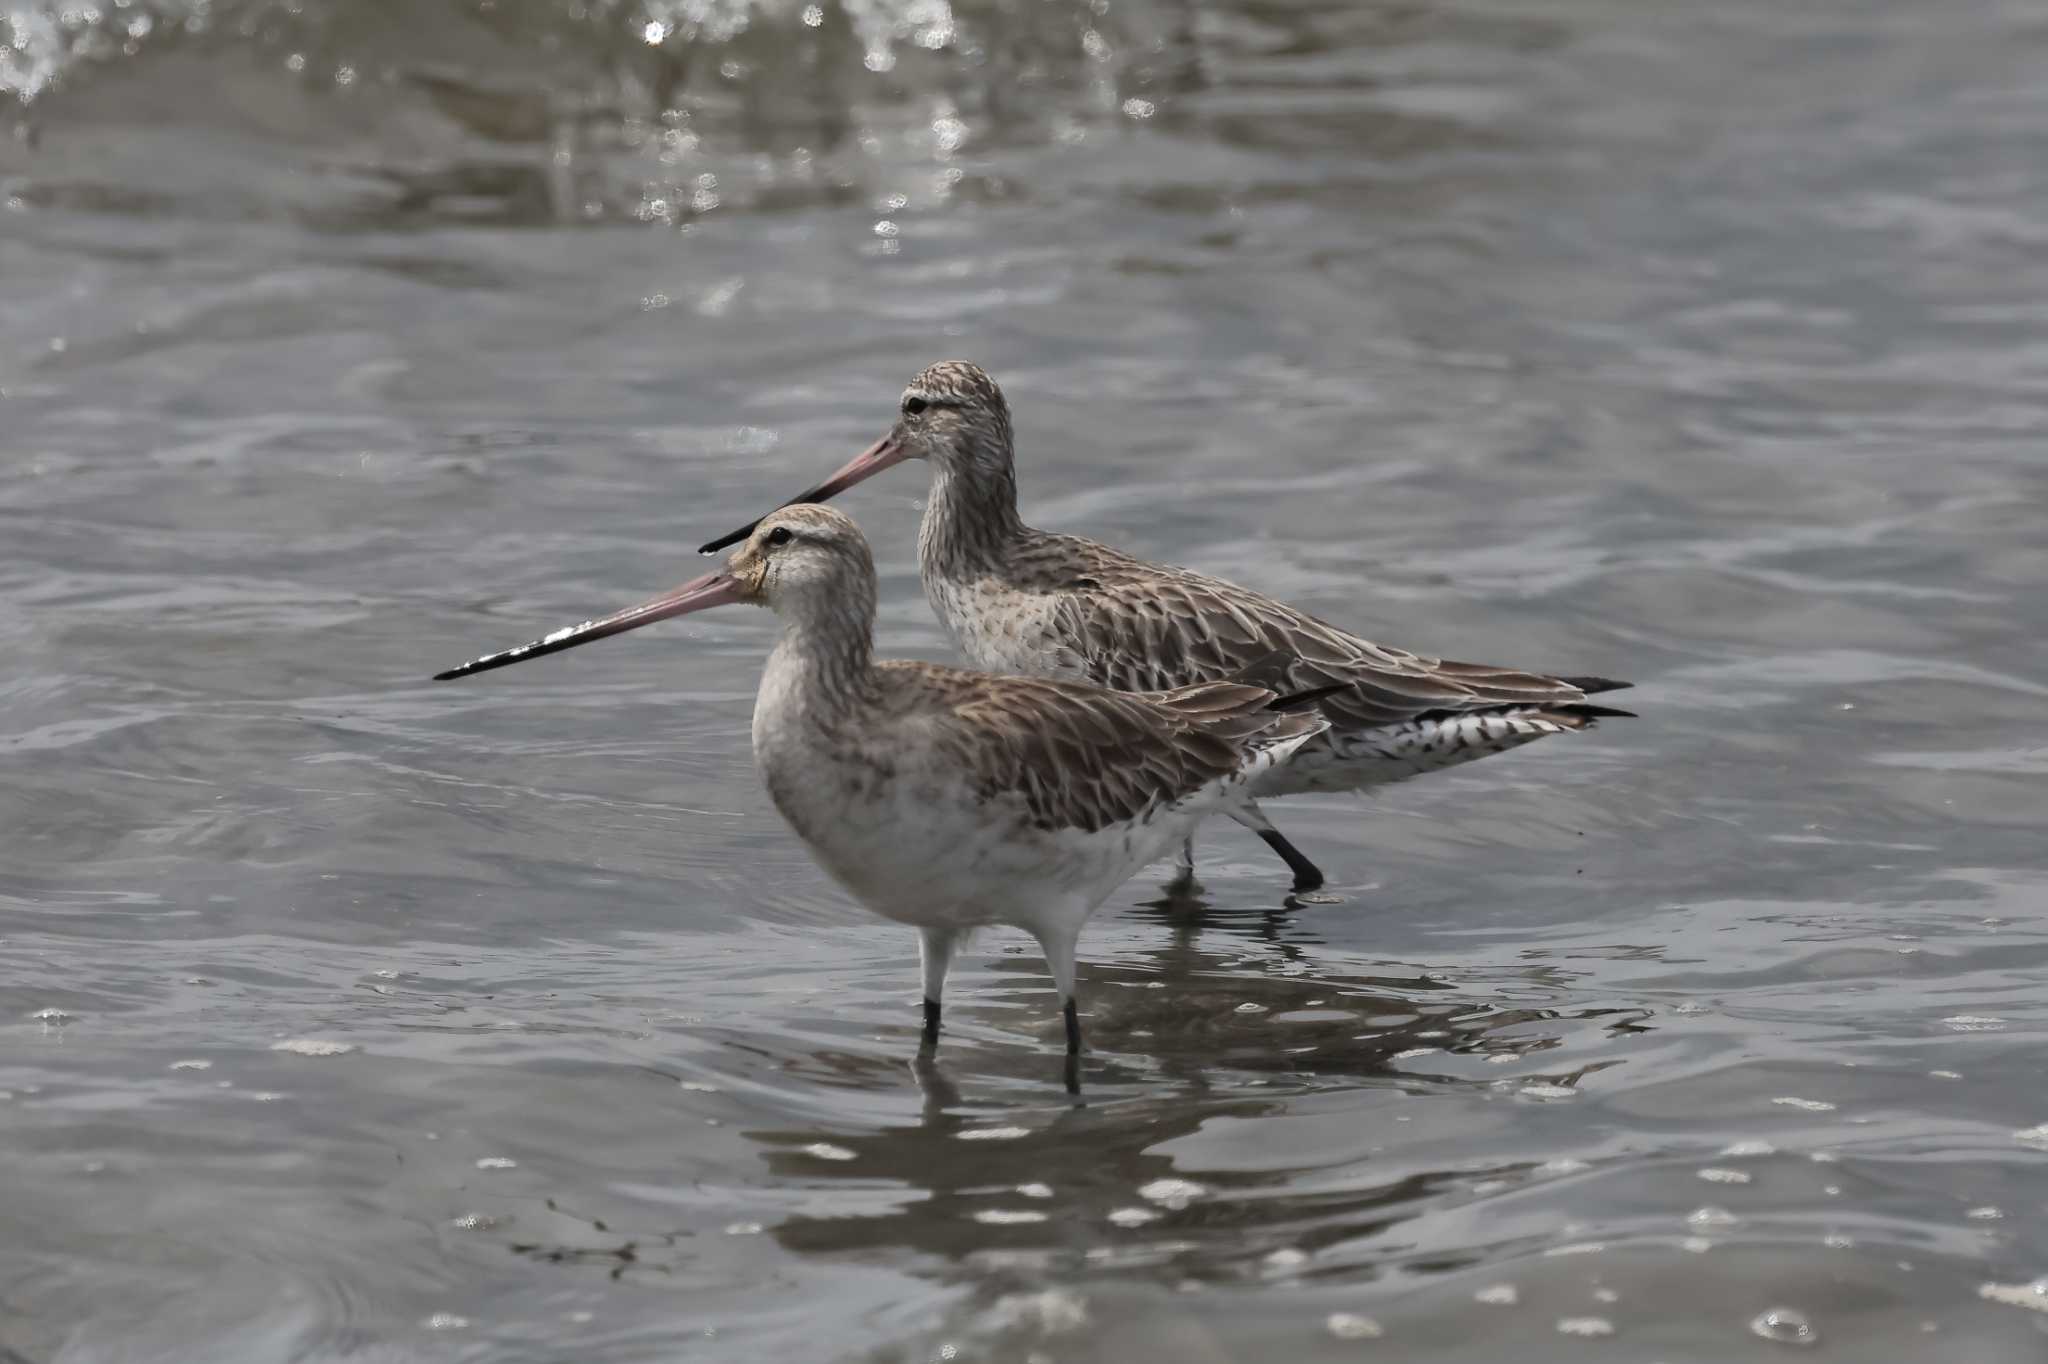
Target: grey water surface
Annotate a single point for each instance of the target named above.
(347, 1016)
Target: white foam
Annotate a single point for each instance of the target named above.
(1172, 1193)
(314, 1046)
(1352, 1326)
(1585, 1326)
(2032, 1296)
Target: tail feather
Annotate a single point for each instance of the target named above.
(1302, 700)
(1570, 714)
(1276, 743)
(1246, 713)
(1580, 714)
(1592, 712)
(1593, 685)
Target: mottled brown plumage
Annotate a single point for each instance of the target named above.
(1139, 626)
(1080, 757)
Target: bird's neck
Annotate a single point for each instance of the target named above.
(970, 519)
(822, 668)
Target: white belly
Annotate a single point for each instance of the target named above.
(923, 852)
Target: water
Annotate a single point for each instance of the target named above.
(345, 1016)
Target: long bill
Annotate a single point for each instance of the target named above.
(869, 462)
(699, 594)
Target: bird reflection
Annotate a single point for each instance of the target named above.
(940, 1093)
(1225, 1017)
(1186, 1035)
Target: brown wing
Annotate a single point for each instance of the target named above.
(1082, 757)
(1142, 626)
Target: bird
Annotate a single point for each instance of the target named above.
(951, 800)
(1020, 600)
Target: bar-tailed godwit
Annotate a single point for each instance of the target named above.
(1019, 600)
(950, 800)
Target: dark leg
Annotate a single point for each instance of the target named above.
(935, 950)
(1056, 935)
(1073, 1047)
(1307, 876)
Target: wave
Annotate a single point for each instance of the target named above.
(563, 110)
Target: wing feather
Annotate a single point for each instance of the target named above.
(1138, 627)
(1083, 757)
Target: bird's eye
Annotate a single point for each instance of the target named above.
(913, 406)
(780, 536)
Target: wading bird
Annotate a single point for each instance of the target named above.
(950, 800)
(1019, 600)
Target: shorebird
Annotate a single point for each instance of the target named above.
(951, 800)
(1020, 600)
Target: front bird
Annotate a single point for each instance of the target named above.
(1021, 600)
(950, 800)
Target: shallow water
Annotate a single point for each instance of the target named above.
(345, 1016)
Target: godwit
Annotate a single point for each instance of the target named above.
(949, 800)
(1020, 600)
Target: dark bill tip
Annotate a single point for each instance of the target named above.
(713, 589)
(877, 457)
(727, 540)
(505, 658)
